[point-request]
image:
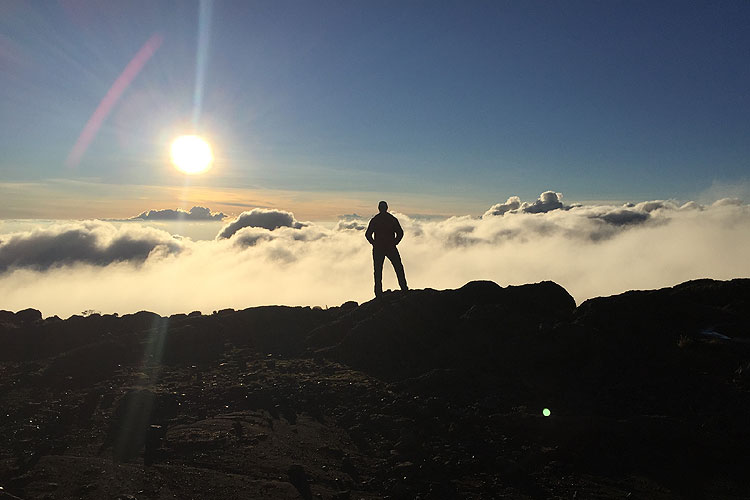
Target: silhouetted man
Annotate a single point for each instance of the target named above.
(387, 234)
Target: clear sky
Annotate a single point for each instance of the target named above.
(326, 107)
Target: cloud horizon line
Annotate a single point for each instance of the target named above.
(267, 256)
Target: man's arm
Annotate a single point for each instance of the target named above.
(368, 233)
(399, 232)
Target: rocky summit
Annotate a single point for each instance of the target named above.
(478, 392)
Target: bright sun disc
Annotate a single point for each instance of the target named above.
(191, 154)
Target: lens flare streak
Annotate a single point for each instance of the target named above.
(110, 99)
(204, 32)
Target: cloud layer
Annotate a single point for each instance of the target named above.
(268, 257)
(195, 214)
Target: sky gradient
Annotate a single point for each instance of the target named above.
(324, 108)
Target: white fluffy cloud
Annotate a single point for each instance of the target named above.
(194, 214)
(547, 201)
(513, 203)
(90, 242)
(724, 202)
(263, 218)
(267, 257)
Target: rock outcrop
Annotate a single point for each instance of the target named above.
(419, 394)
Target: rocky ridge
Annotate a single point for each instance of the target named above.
(424, 394)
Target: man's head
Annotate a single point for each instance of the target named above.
(383, 207)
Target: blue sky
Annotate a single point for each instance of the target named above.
(344, 103)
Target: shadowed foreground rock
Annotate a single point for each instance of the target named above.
(423, 394)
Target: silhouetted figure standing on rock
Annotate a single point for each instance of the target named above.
(387, 234)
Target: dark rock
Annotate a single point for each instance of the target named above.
(4, 495)
(132, 420)
(142, 320)
(237, 427)
(402, 335)
(273, 329)
(425, 394)
(86, 365)
(154, 436)
(7, 317)
(130, 423)
(185, 344)
(29, 316)
(347, 466)
(687, 308)
(298, 478)
(348, 305)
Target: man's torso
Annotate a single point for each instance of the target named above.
(384, 227)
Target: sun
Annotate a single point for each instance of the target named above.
(191, 154)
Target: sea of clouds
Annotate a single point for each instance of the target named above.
(269, 257)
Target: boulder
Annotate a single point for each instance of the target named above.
(403, 334)
(29, 316)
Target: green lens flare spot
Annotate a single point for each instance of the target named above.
(546, 412)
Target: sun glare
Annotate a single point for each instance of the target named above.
(191, 154)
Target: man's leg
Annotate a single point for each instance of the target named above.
(378, 256)
(395, 259)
